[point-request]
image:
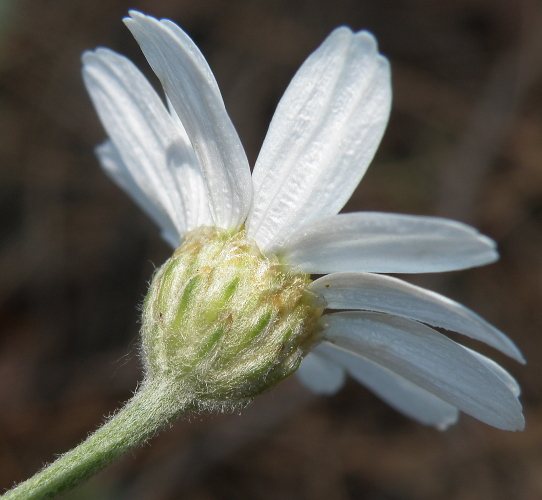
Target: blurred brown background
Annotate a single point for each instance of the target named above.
(464, 141)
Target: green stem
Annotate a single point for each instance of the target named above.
(155, 405)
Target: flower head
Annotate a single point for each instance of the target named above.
(185, 166)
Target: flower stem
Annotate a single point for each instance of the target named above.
(153, 406)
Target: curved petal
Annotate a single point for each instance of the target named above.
(192, 89)
(498, 370)
(430, 360)
(374, 292)
(149, 146)
(397, 391)
(324, 134)
(319, 374)
(387, 243)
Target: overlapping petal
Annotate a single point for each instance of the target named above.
(398, 392)
(190, 85)
(152, 157)
(498, 370)
(429, 360)
(319, 374)
(387, 243)
(374, 292)
(322, 138)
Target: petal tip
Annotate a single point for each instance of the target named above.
(445, 424)
(366, 36)
(517, 423)
(87, 56)
(135, 14)
(342, 30)
(514, 352)
(136, 18)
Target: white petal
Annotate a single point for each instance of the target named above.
(498, 370)
(192, 89)
(324, 134)
(387, 243)
(429, 360)
(320, 375)
(397, 391)
(374, 292)
(149, 146)
(113, 165)
(194, 182)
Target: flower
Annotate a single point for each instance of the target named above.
(185, 166)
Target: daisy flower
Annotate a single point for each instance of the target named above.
(235, 304)
(234, 310)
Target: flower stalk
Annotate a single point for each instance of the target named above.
(155, 405)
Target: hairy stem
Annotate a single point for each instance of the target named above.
(155, 405)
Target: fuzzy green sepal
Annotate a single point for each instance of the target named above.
(225, 320)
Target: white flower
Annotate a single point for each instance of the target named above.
(187, 168)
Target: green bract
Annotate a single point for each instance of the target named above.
(225, 320)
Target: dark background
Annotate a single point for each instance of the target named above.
(464, 141)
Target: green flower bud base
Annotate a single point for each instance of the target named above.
(225, 320)
(222, 322)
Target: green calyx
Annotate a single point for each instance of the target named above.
(226, 321)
